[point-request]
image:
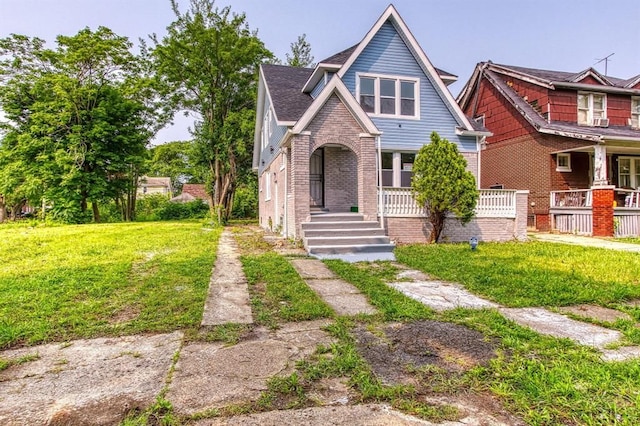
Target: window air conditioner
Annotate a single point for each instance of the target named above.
(601, 122)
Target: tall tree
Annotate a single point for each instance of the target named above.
(173, 159)
(442, 184)
(79, 117)
(300, 53)
(211, 58)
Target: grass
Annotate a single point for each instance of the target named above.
(278, 293)
(545, 380)
(61, 283)
(532, 274)
(631, 240)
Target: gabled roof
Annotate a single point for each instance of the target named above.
(337, 87)
(392, 15)
(492, 75)
(284, 85)
(197, 190)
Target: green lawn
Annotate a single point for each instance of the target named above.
(59, 283)
(533, 273)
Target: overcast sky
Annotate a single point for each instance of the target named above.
(563, 35)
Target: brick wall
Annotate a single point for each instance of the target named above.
(340, 179)
(602, 219)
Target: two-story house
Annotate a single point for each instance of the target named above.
(321, 133)
(560, 134)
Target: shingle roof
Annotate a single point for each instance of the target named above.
(341, 57)
(557, 76)
(197, 190)
(573, 129)
(285, 84)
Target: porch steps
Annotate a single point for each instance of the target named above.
(345, 234)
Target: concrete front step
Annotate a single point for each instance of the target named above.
(345, 240)
(336, 217)
(347, 232)
(340, 225)
(350, 249)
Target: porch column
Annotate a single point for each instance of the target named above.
(300, 181)
(367, 178)
(602, 214)
(600, 165)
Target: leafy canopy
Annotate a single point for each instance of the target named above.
(442, 184)
(300, 53)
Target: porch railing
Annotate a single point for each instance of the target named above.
(399, 202)
(572, 198)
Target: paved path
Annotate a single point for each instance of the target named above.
(585, 241)
(440, 296)
(343, 298)
(228, 298)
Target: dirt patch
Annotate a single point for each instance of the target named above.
(596, 312)
(400, 348)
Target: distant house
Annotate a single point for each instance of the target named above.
(154, 185)
(191, 192)
(336, 143)
(571, 138)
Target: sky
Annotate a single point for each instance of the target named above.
(562, 35)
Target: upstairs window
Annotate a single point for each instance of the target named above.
(388, 96)
(591, 108)
(266, 129)
(635, 112)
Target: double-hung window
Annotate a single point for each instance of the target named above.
(629, 172)
(389, 96)
(635, 112)
(591, 107)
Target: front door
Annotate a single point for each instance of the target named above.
(316, 178)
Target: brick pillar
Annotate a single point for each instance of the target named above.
(300, 181)
(367, 179)
(602, 220)
(522, 209)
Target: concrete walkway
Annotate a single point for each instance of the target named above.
(585, 241)
(343, 298)
(228, 298)
(441, 296)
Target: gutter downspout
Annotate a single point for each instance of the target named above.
(380, 195)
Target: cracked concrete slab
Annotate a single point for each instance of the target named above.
(85, 382)
(342, 297)
(557, 325)
(312, 269)
(440, 295)
(213, 375)
(228, 298)
(596, 312)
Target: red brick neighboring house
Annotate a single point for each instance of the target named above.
(560, 131)
(191, 192)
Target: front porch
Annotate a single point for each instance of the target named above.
(573, 211)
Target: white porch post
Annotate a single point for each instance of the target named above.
(600, 166)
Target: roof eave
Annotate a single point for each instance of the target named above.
(317, 75)
(594, 88)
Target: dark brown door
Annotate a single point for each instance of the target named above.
(316, 178)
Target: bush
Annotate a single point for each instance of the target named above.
(158, 207)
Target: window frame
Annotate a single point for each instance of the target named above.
(634, 171)
(590, 107)
(267, 186)
(267, 131)
(565, 168)
(635, 115)
(398, 80)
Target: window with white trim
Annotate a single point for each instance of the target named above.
(266, 129)
(629, 172)
(563, 162)
(397, 169)
(389, 96)
(591, 106)
(635, 111)
(267, 186)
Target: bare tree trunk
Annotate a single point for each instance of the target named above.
(437, 223)
(3, 209)
(96, 212)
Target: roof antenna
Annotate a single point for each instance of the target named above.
(606, 62)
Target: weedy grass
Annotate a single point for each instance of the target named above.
(278, 292)
(531, 274)
(630, 240)
(541, 378)
(66, 282)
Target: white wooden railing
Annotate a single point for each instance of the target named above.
(572, 198)
(400, 202)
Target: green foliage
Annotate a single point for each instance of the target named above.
(175, 160)
(79, 281)
(300, 53)
(245, 201)
(158, 207)
(442, 184)
(80, 117)
(210, 57)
